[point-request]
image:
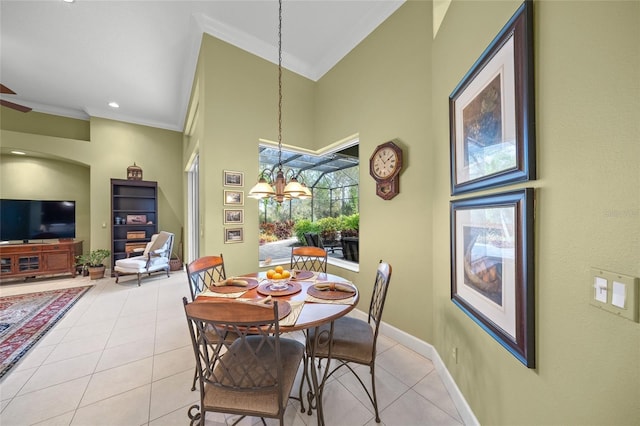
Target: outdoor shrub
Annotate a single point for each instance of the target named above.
(283, 230)
(268, 228)
(329, 227)
(303, 226)
(277, 230)
(264, 238)
(351, 222)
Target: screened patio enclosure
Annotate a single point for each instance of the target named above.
(333, 180)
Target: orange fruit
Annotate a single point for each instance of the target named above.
(270, 273)
(286, 274)
(279, 269)
(276, 276)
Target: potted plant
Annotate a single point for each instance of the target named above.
(350, 225)
(93, 261)
(304, 226)
(329, 229)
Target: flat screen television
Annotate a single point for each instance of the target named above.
(26, 220)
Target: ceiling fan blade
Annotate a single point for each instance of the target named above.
(17, 107)
(4, 89)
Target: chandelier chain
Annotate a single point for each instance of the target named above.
(280, 85)
(278, 187)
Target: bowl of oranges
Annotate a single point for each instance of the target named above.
(278, 278)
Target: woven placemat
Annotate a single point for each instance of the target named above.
(284, 308)
(331, 294)
(303, 275)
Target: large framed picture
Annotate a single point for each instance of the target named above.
(492, 112)
(233, 235)
(233, 178)
(233, 216)
(492, 270)
(233, 198)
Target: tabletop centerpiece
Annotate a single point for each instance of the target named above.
(278, 278)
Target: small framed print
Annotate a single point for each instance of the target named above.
(233, 198)
(136, 219)
(233, 216)
(233, 178)
(233, 235)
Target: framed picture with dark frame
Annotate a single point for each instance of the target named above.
(233, 235)
(492, 112)
(233, 198)
(492, 267)
(233, 216)
(233, 178)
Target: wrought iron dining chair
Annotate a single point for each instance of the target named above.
(204, 271)
(307, 258)
(250, 376)
(354, 340)
(201, 273)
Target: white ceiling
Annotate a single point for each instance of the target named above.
(72, 59)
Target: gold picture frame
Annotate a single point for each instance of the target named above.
(232, 178)
(233, 198)
(233, 235)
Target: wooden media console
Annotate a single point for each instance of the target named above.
(37, 259)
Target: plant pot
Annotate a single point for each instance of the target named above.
(96, 272)
(350, 248)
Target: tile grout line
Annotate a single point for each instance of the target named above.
(155, 337)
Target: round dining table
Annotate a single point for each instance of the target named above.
(312, 316)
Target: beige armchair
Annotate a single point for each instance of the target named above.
(155, 257)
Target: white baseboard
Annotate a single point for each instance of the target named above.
(428, 351)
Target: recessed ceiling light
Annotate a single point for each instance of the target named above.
(18, 153)
(68, 1)
(114, 105)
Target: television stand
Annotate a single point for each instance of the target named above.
(38, 259)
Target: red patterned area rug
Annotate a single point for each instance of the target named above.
(26, 318)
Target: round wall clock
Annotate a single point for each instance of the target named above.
(384, 166)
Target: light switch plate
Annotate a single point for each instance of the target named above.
(600, 289)
(622, 299)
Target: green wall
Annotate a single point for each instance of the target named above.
(234, 105)
(395, 85)
(48, 179)
(113, 147)
(381, 91)
(587, 67)
(45, 124)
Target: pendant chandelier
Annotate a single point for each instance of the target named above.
(268, 186)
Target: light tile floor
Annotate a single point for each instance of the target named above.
(122, 356)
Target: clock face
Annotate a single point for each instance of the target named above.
(385, 162)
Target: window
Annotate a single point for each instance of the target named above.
(334, 181)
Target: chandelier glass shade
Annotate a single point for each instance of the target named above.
(278, 187)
